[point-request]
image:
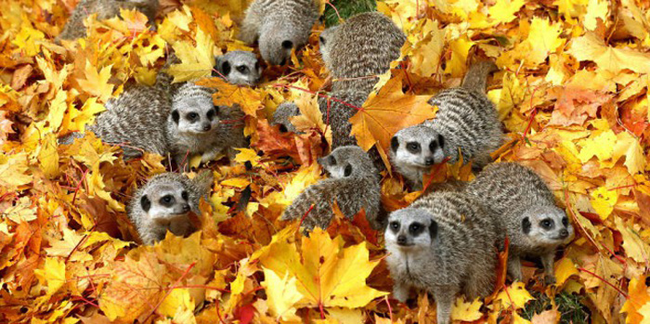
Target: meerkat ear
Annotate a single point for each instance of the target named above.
(145, 203)
(525, 225)
(348, 170)
(433, 229)
(176, 116)
(394, 144)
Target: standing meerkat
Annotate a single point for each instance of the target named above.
(466, 120)
(361, 48)
(525, 210)
(443, 244)
(353, 184)
(279, 26)
(163, 204)
(239, 67)
(104, 9)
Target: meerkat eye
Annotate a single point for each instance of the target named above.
(547, 223)
(565, 221)
(332, 160)
(192, 116)
(348, 171)
(415, 228)
(394, 226)
(167, 200)
(413, 147)
(242, 69)
(287, 44)
(184, 195)
(211, 114)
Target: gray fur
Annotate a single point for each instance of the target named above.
(362, 47)
(337, 111)
(513, 192)
(452, 250)
(276, 22)
(153, 224)
(282, 116)
(239, 67)
(466, 120)
(104, 9)
(212, 129)
(353, 184)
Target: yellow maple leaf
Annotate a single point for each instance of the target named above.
(599, 145)
(197, 61)
(460, 47)
(14, 172)
(178, 300)
(48, 156)
(58, 107)
(248, 155)
(28, 39)
(386, 112)
(96, 83)
(466, 311)
(504, 11)
(634, 245)
(543, 39)
(282, 294)
(596, 11)
(603, 200)
(424, 48)
(591, 48)
(637, 301)
(52, 274)
(629, 147)
(564, 269)
(515, 296)
(328, 275)
(230, 95)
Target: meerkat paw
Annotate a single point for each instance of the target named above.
(208, 156)
(401, 293)
(549, 280)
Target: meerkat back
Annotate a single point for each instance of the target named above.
(136, 121)
(337, 111)
(467, 119)
(361, 48)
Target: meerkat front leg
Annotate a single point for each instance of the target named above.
(209, 155)
(514, 268)
(401, 291)
(548, 262)
(444, 300)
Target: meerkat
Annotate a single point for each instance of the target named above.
(443, 244)
(196, 126)
(360, 49)
(238, 67)
(353, 184)
(104, 9)
(279, 26)
(525, 211)
(164, 202)
(466, 120)
(337, 111)
(282, 116)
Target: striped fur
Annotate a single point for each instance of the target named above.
(273, 22)
(513, 193)
(451, 251)
(104, 9)
(152, 228)
(353, 190)
(337, 111)
(362, 47)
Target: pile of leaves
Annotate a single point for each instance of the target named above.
(572, 93)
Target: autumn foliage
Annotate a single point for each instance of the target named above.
(572, 92)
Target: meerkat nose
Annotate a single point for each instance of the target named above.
(429, 161)
(401, 240)
(206, 127)
(564, 233)
(186, 208)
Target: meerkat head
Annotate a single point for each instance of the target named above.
(418, 146)
(239, 67)
(546, 225)
(193, 111)
(325, 42)
(164, 200)
(410, 229)
(278, 39)
(347, 161)
(283, 113)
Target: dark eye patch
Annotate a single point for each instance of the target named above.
(184, 195)
(433, 145)
(332, 160)
(565, 221)
(413, 147)
(525, 225)
(225, 68)
(394, 143)
(145, 203)
(394, 226)
(211, 114)
(176, 116)
(322, 40)
(441, 141)
(416, 228)
(283, 129)
(167, 200)
(348, 170)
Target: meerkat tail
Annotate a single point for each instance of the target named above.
(476, 77)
